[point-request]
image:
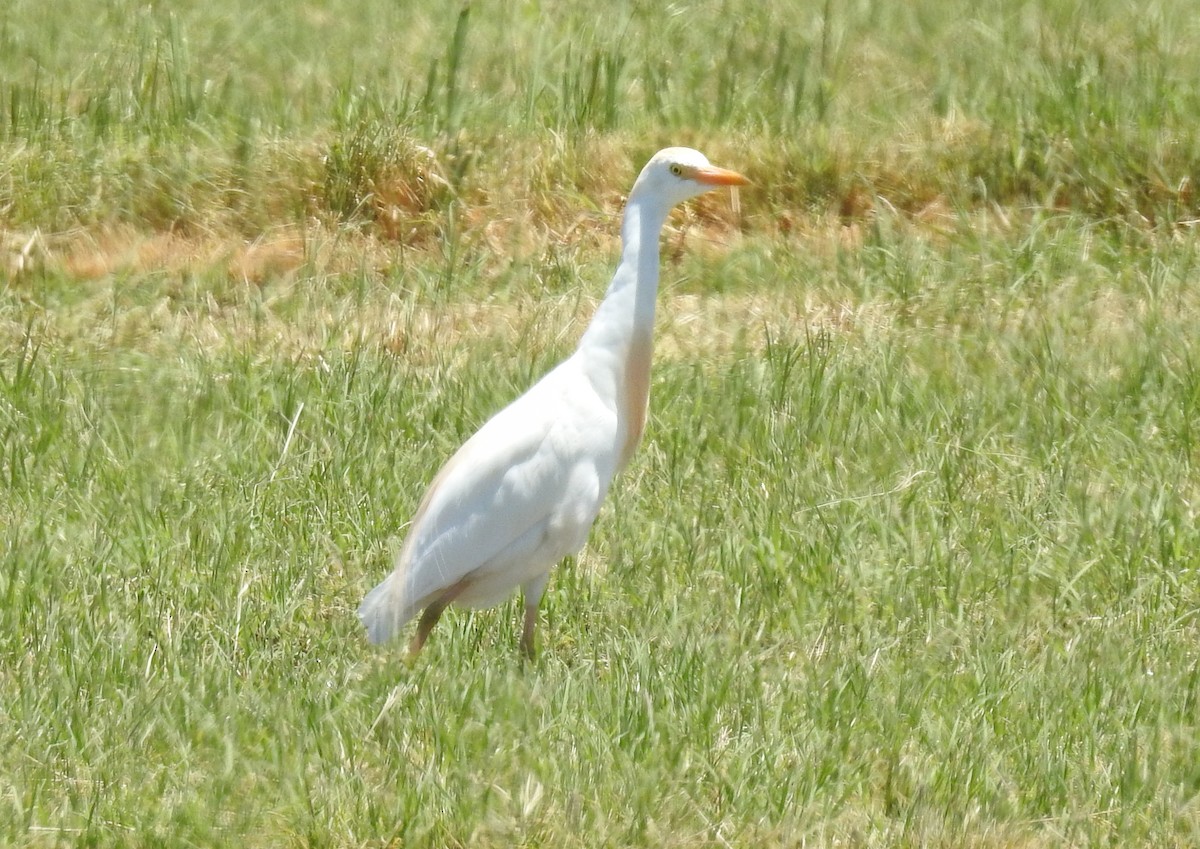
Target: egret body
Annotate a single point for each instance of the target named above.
(523, 492)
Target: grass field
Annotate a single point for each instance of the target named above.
(908, 557)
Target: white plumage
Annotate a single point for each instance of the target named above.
(523, 492)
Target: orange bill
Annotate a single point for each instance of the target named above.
(714, 176)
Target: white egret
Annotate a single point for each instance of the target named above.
(523, 492)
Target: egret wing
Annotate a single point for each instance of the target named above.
(511, 476)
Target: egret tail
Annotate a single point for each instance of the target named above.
(382, 611)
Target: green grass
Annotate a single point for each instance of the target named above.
(212, 117)
(909, 555)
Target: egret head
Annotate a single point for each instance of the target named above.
(676, 174)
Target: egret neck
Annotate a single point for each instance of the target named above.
(617, 346)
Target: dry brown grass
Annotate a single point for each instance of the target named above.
(517, 197)
(91, 255)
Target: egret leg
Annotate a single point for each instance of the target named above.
(532, 591)
(431, 615)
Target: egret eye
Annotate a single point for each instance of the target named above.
(677, 170)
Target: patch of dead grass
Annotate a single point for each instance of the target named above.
(86, 255)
